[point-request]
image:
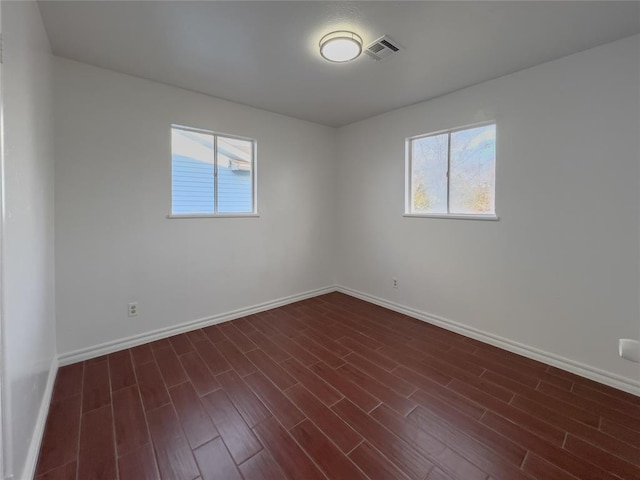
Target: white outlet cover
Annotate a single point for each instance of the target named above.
(629, 349)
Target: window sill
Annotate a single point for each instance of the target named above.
(216, 215)
(491, 217)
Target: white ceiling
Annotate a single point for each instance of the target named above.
(265, 54)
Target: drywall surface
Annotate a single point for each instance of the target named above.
(28, 270)
(114, 242)
(559, 271)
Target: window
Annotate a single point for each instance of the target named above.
(452, 173)
(211, 174)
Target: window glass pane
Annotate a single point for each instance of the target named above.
(235, 175)
(429, 174)
(473, 169)
(192, 170)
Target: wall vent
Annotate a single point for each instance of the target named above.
(382, 47)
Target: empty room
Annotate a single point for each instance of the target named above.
(299, 240)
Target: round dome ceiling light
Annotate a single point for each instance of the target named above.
(340, 46)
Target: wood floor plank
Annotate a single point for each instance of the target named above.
(161, 343)
(141, 354)
(601, 458)
(175, 459)
(371, 355)
(394, 448)
(316, 385)
(121, 370)
(212, 358)
(479, 382)
(280, 406)
(201, 377)
(238, 360)
(244, 325)
(432, 408)
(139, 465)
(129, 421)
(506, 383)
(620, 432)
(350, 390)
(181, 344)
(235, 433)
(452, 398)
(197, 425)
(374, 464)
(215, 463)
(543, 470)
(541, 447)
(545, 421)
(430, 447)
(400, 404)
(62, 430)
(286, 452)
(261, 466)
(582, 409)
(97, 456)
(68, 382)
(492, 462)
(196, 336)
(339, 330)
(170, 367)
(152, 389)
(535, 424)
(325, 454)
(214, 334)
(342, 434)
(246, 402)
(96, 391)
(237, 337)
(437, 474)
(416, 362)
(574, 379)
(263, 326)
(65, 472)
(296, 351)
(624, 402)
(271, 369)
(267, 346)
(429, 343)
(328, 343)
(319, 351)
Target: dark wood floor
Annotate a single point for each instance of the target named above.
(333, 387)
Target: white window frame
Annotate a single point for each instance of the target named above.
(254, 177)
(408, 178)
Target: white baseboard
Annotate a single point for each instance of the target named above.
(31, 462)
(135, 340)
(583, 370)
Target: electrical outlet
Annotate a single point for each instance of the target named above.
(394, 280)
(133, 309)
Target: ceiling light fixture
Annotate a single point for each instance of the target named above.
(340, 46)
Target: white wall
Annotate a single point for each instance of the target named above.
(28, 269)
(559, 271)
(114, 244)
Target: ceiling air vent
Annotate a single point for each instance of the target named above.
(382, 47)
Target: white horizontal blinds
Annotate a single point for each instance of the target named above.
(235, 175)
(192, 172)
